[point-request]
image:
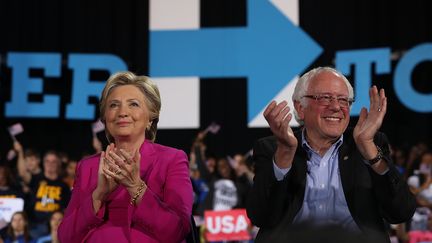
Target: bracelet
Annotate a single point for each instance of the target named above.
(137, 193)
(378, 157)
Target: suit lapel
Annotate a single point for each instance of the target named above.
(299, 161)
(298, 177)
(346, 168)
(148, 158)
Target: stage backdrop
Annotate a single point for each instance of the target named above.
(214, 61)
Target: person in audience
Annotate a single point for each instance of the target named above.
(198, 154)
(326, 173)
(199, 185)
(399, 158)
(199, 151)
(421, 182)
(8, 187)
(69, 176)
(28, 165)
(135, 190)
(9, 190)
(52, 237)
(242, 169)
(18, 229)
(226, 191)
(49, 194)
(413, 160)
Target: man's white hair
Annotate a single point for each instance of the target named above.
(302, 86)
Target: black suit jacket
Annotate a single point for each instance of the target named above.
(371, 198)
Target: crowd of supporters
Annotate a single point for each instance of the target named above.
(43, 183)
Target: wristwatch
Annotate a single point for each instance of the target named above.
(378, 157)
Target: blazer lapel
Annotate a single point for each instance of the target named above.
(346, 168)
(297, 184)
(300, 164)
(148, 158)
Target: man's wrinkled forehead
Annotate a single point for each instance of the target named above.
(325, 75)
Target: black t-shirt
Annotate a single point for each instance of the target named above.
(47, 196)
(10, 192)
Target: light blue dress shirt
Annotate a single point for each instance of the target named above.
(324, 201)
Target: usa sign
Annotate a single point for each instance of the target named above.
(227, 225)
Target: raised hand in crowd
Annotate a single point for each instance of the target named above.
(198, 157)
(21, 163)
(18, 147)
(28, 164)
(198, 144)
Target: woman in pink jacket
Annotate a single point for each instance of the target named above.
(135, 190)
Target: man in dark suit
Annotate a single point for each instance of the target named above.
(326, 174)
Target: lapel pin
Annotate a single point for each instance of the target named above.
(345, 157)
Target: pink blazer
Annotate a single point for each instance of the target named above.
(162, 216)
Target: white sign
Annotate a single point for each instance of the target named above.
(9, 206)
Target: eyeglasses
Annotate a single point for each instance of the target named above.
(325, 99)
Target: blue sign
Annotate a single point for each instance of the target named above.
(23, 85)
(270, 52)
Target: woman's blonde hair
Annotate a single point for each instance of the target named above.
(146, 86)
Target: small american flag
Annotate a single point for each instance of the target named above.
(213, 128)
(15, 129)
(232, 162)
(248, 153)
(97, 126)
